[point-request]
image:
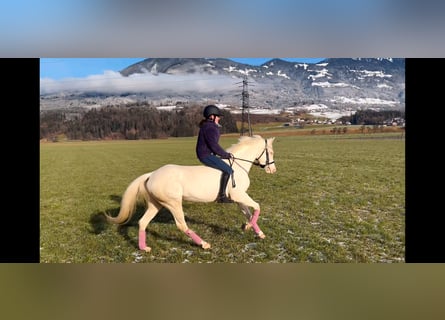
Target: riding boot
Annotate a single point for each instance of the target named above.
(222, 198)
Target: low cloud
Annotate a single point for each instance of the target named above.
(112, 82)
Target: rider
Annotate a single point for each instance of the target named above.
(210, 153)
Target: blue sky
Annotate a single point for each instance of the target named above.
(61, 68)
(279, 28)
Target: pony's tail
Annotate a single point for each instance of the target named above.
(135, 192)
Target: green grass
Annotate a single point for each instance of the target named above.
(333, 199)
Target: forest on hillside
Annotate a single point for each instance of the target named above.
(125, 123)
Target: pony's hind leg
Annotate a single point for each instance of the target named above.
(178, 213)
(152, 210)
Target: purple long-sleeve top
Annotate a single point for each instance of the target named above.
(208, 141)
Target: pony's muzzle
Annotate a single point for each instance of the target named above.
(270, 168)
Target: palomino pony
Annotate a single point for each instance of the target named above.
(170, 184)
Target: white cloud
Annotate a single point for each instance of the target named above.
(114, 82)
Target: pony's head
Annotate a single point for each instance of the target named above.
(262, 151)
(265, 159)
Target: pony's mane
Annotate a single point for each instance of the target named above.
(244, 140)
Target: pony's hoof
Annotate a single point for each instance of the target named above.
(261, 235)
(205, 245)
(146, 249)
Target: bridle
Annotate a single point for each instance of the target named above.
(256, 162)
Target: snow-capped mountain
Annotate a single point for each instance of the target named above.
(335, 83)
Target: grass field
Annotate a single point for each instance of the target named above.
(333, 199)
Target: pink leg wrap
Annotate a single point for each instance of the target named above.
(255, 216)
(254, 220)
(142, 243)
(196, 239)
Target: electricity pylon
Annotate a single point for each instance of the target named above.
(245, 108)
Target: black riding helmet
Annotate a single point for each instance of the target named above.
(211, 109)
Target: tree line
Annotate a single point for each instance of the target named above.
(126, 123)
(372, 117)
(147, 122)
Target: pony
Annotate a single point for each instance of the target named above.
(170, 185)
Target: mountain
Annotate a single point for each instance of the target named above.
(337, 84)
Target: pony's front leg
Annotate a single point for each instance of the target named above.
(244, 202)
(254, 224)
(196, 239)
(246, 211)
